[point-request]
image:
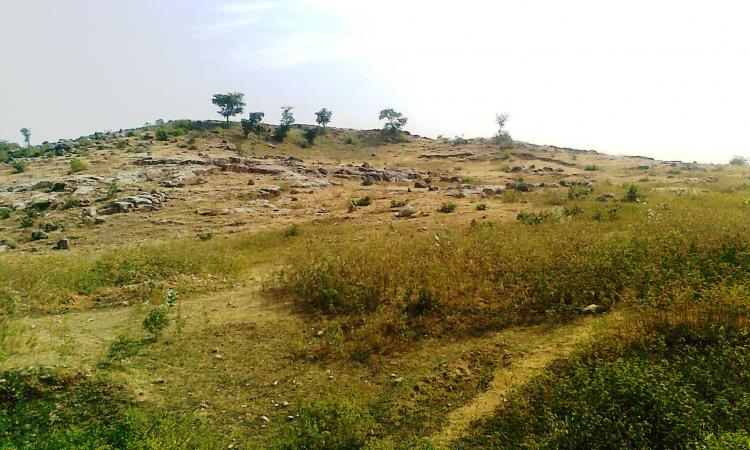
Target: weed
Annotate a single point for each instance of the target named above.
(481, 207)
(156, 321)
(77, 165)
(364, 201)
(331, 424)
(398, 203)
(447, 208)
(291, 231)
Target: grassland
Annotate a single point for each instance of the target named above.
(607, 314)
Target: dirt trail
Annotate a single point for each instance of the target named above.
(532, 349)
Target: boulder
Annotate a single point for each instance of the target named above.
(38, 235)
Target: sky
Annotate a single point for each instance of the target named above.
(667, 79)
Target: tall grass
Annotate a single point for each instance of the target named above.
(399, 287)
(48, 282)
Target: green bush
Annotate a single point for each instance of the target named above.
(447, 208)
(161, 134)
(156, 321)
(678, 386)
(77, 165)
(5, 212)
(328, 425)
(364, 201)
(292, 230)
(591, 168)
(632, 195)
(18, 166)
(350, 140)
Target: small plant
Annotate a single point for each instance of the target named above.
(172, 297)
(398, 203)
(28, 219)
(112, 190)
(632, 194)
(510, 196)
(77, 165)
(18, 166)
(447, 208)
(292, 230)
(5, 212)
(578, 192)
(481, 207)
(521, 186)
(122, 348)
(367, 181)
(156, 321)
(335, 424)
(591, 168)
(350, 140)
(364, 201)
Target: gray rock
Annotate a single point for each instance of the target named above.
(421, 185)
(38, 235)
(406, 211)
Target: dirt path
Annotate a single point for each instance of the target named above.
(532, 349)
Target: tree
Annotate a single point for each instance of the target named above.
(287, 120)
(323, 117)
(26, 136)
(395, 120)
(253, 123)
(229, 104)
(503, 137)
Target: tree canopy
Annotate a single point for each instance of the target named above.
(229, 104)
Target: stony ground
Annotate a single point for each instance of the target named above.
(238, 356)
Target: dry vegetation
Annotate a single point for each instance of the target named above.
(587, 301)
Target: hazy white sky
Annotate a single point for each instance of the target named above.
(666, 78)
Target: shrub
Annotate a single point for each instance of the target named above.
(521, 186)
(122, 348)
(156, 321)
(292, 230)
(738, 161)
(18, 166)
(112, 190)
(77, 165)
(481, 207)
(310, 134)
(579, 192)
(591, 168)
(5, 212)
(632, 194)
(350, 140)
(447, 208)
(161, 134)
(364, 201)
(280, 133)
(367, 181)
(323, 425)
(398, 203)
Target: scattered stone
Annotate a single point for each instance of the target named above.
(592, 309)
(406, 212)
(38, 235)
(421, 185)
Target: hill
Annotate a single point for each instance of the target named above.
(185, 286)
